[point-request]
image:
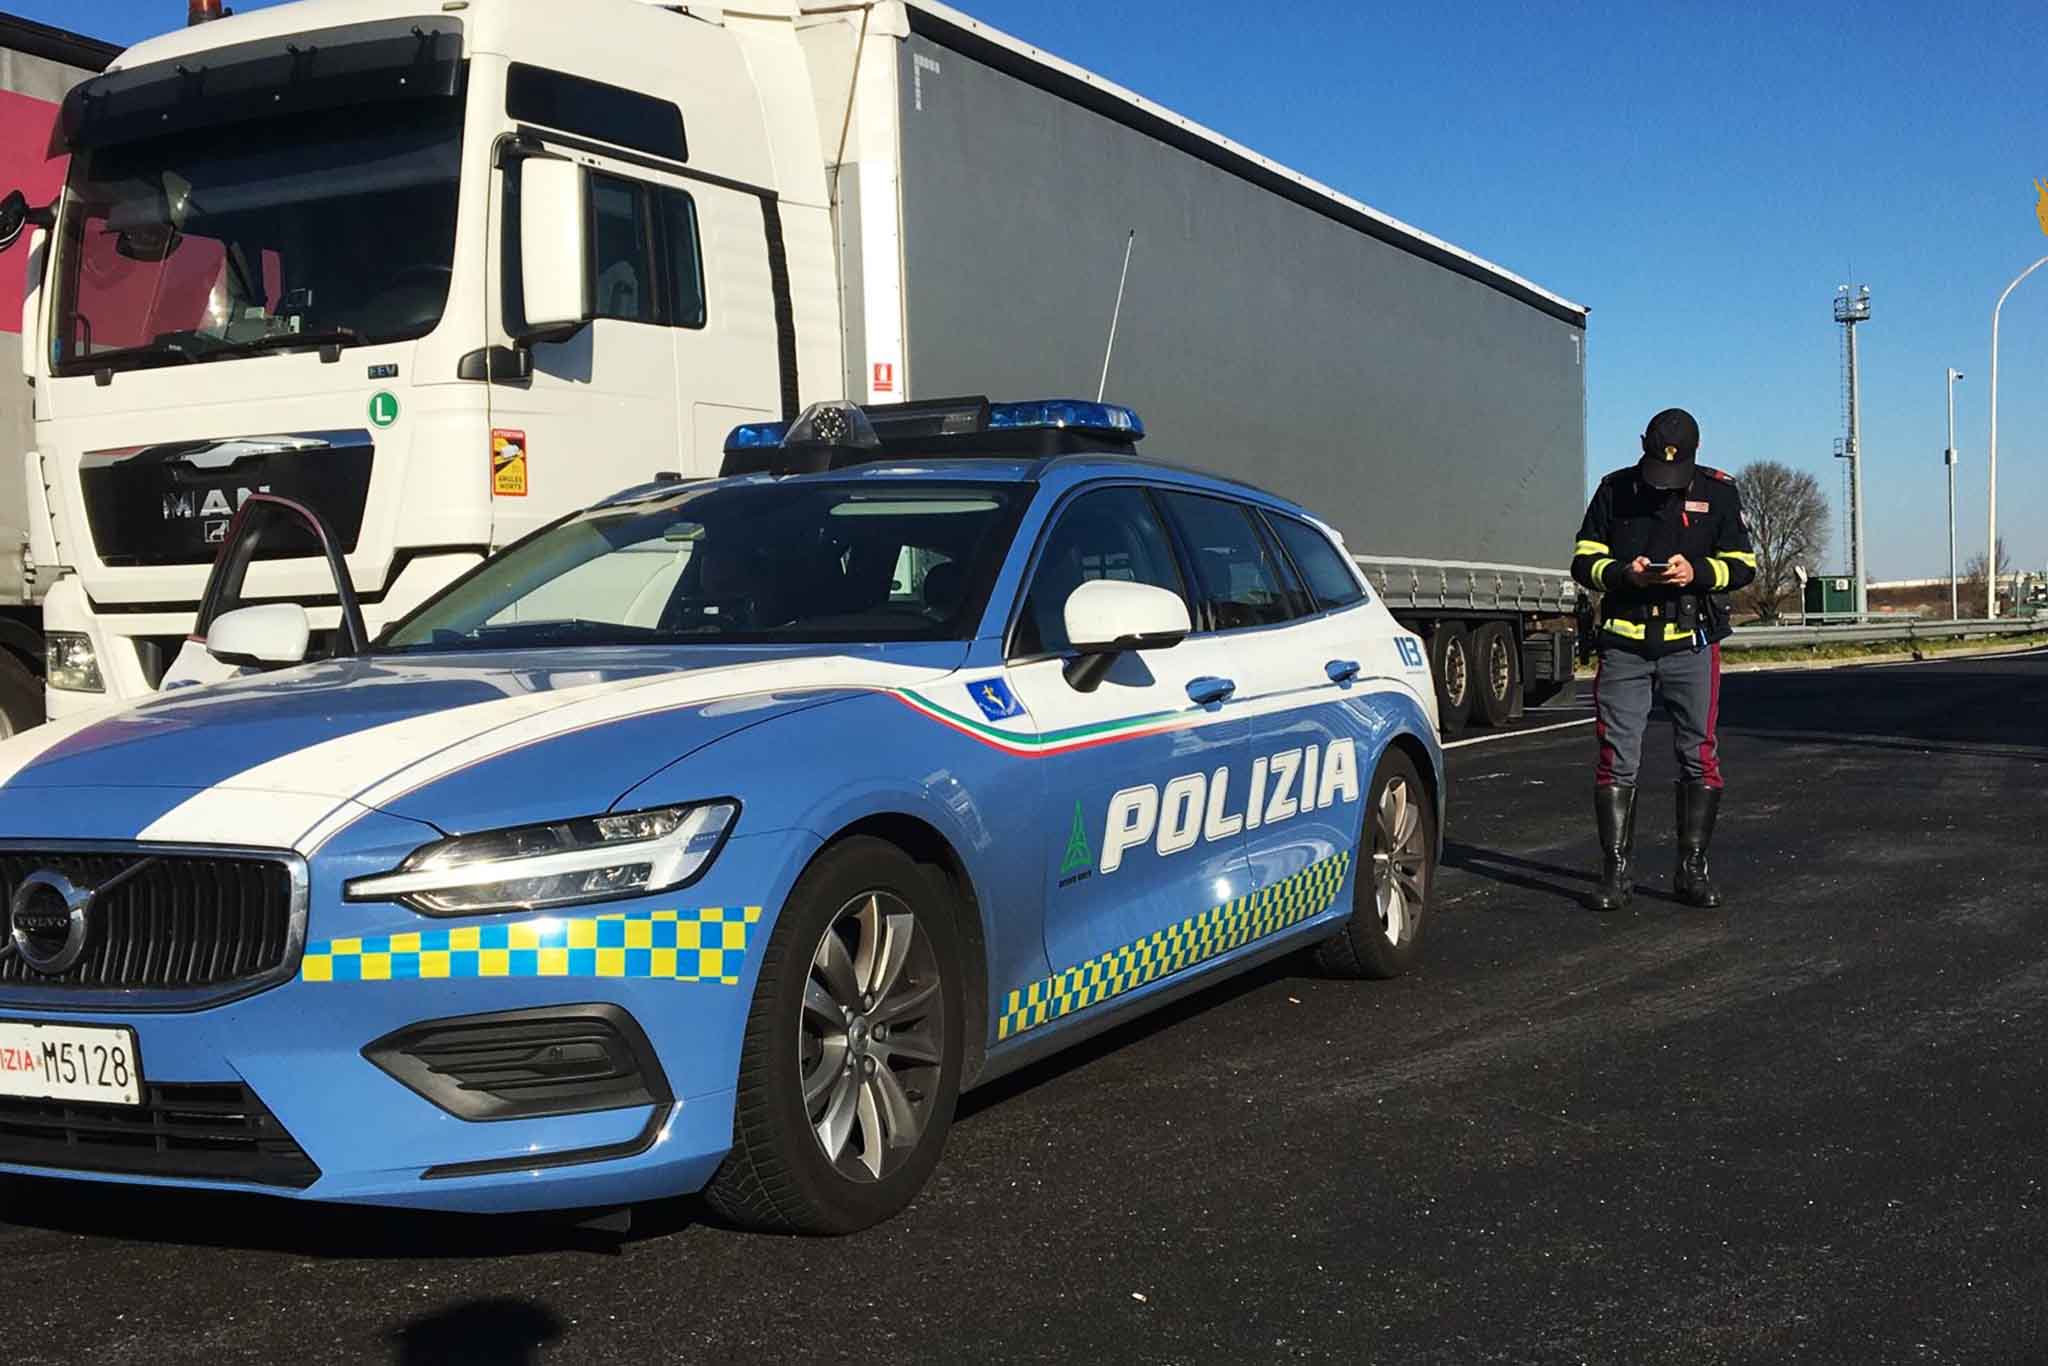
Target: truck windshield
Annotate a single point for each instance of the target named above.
(336, 226)
(785, 563)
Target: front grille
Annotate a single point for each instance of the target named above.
(204, 1132)
(185, 921)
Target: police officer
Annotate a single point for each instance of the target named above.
(1663, 539)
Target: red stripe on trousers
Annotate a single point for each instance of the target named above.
(1710, 748)
(1603, 771)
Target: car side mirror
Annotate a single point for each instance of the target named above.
(554, 251)
(1108, 617)
(267, 636)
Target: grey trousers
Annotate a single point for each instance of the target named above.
(1691, 685)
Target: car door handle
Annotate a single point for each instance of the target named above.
(1206, 691)
(1341, 670)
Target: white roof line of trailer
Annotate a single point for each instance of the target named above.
(1137, 101)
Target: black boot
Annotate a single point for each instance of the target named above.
(1697, 806)
(1614, 808)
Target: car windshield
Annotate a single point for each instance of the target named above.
(333, 226)
(755, 563)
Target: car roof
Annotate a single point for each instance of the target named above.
(1055, 473)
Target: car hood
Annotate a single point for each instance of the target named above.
(461, 742)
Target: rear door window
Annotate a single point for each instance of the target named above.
(1235, 572)
(1321, 564)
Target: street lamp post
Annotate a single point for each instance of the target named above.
(1955, 612)
(1991, 518)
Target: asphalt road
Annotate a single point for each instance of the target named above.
(1807, 1128)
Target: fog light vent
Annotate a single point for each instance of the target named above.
(521, 1064)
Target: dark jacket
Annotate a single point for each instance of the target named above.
(1702, 522)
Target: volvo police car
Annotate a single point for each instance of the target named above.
(714, 837)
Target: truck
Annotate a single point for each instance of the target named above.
(38, 64)
(448, 269)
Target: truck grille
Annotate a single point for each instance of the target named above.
(204, 1132)
(185, 921)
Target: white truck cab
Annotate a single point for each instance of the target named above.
(302, 250)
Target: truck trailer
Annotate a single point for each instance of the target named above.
(449, 270)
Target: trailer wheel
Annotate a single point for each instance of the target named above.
(1500, 672)
(1450, 664)
(21, 696)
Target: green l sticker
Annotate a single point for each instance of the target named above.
(383, 408)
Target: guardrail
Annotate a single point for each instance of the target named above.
(1876, 632)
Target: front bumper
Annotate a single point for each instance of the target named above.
(372, 970)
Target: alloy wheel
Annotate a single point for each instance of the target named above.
(1400, 860)
(871, 1037)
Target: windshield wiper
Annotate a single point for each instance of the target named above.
(337, 335)
(567, 630)
(133, 357)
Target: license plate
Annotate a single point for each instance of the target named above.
(95, 1064)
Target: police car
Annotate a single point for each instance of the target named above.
(714, 837)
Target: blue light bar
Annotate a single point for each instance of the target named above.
(756, 436)
(1108, 418)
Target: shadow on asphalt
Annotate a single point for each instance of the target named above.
(1124, 1035)
(258, 1223)
(500, 1332)
(1532, 875)
(1941, 707)
(232, 1220)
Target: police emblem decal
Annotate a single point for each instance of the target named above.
(995, 699)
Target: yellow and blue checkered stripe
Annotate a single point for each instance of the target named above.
(705, 945)
(1177, 947)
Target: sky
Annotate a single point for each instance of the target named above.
(1702, 177)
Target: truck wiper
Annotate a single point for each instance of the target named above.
(337, 335)
(132, 357)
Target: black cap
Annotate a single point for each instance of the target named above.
(1670, 444)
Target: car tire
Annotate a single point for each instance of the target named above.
(1392, 881)
(1497, 673)
(21, 696)
(881, 1079)
(1450, 666)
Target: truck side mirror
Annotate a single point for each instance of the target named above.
(265, 636)
(13, 217)
(554, 250)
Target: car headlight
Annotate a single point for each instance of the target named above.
(70, 664)
(595, 858)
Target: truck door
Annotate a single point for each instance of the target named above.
(681, 345)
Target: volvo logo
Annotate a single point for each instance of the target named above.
(51, 918)
(50, 921)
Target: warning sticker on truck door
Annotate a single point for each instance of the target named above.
(508, 463)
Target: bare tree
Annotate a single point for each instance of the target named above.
(1788, 525)
(1973, 568)
(1973, 574)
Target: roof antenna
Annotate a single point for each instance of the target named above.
(1122, 280)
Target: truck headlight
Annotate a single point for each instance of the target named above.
(595, 858)
(70, 664)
